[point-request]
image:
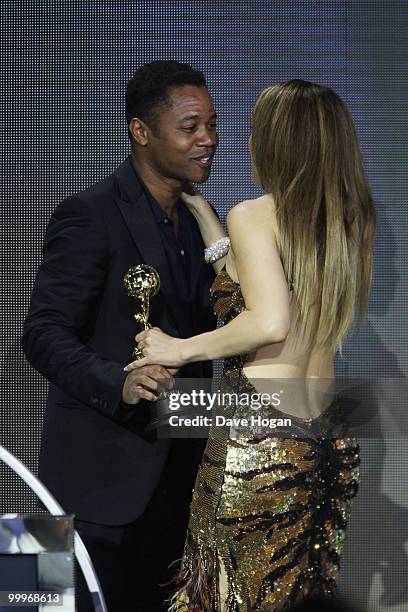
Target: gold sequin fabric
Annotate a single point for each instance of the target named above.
(273, 508)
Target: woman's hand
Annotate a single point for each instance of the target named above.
(206, 217)
(192, 198)
(158, 348)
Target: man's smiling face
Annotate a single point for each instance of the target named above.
(186, 138)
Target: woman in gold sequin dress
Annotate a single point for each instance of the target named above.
(269, 512)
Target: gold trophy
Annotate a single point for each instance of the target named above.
(142, 282)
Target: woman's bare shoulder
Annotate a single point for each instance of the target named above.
(257, 211)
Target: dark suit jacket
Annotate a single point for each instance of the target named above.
(79, 333)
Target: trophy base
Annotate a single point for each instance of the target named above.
(160, 415)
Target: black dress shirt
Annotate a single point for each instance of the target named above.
(180, 252)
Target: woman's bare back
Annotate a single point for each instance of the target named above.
(304, 374)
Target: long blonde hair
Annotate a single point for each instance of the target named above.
(306, 154)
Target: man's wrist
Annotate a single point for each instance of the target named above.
(123, 411)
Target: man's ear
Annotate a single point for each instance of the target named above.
(139, 131)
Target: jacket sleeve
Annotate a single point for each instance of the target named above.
(66, 290)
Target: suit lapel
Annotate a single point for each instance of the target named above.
(142, 226)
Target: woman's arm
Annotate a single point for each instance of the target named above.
(264, 288)
(210, 226)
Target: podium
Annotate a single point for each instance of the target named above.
(36, 563)
(37, 552)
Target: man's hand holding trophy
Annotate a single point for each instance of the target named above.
(151, 382)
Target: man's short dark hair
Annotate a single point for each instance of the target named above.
(148, 90)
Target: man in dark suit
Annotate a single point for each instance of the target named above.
(130, 492)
